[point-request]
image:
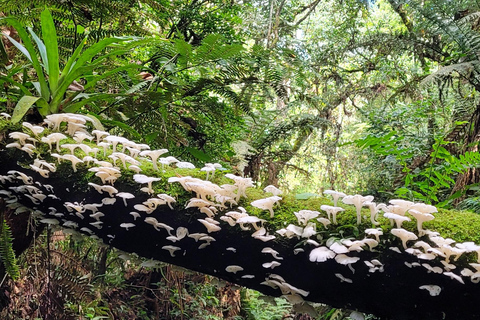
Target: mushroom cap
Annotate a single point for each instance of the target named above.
(267, 203)
(324, 221)
(357, 200)
(249, 219)
(396, 217)
(344, 259)
(331, 209)
(273, 252)
(433, 290)
(342, 278)
(468, 246)
(424, 208)
(273, 190)
(141, 178)
(374, 231)
(338, 248)
(185, 165)
(404, 235)
(154, 154)
(233, 269)
(401, 203)
(333, 192)
(171, 249)
(127, 225)
(321, 254)
(304, 215)
(211, 227)
(271, 264)
(125, 195)
(71, 158)
(420, 216)
(197, 236)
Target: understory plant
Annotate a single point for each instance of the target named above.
(53, 78)
(431, 183)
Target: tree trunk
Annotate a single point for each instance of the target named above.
(393, 294)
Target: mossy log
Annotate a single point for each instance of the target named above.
(391, 292)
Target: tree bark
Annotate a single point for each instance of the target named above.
(391, 294)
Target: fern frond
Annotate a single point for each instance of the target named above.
(472, 19)
(7, 255)
(464, 69)
(472, 204)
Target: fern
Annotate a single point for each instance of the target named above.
(7, 255)
(438, 178)
(472, 204)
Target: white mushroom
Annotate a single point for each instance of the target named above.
(73, 159)
(332, 212)
(171, 249)
(273, 252)
(273, 190)
(399, 219)
(135, 215)
(453, 276)
(433, 290)
(404, 235)
(233, 269)
(211, 227)
(336, 195)
(266, 204)
(271, 264)
(321, 254)
(154, 155)
(141, 178)
(374, 232)
(125, 196)
(304, 215)
(421, 218)
(342, 278)
(358, 201)
(127, 225)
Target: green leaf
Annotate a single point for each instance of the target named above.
(74, 107)
(306, 195)
(19, 47)
(49, 35)
(41, 48)
(22, 107)
(71, 60)
(149, 138)
(79, 68)
(95, 79)
(123, 126)
(10, 80)
(96, 122)
(200, 155)
(31, 54)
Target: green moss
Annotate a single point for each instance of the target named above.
(7, 125)
(458, 225)
(461, 226)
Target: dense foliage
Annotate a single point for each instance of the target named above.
(374, 97)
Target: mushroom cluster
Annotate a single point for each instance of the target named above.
(213, 209)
